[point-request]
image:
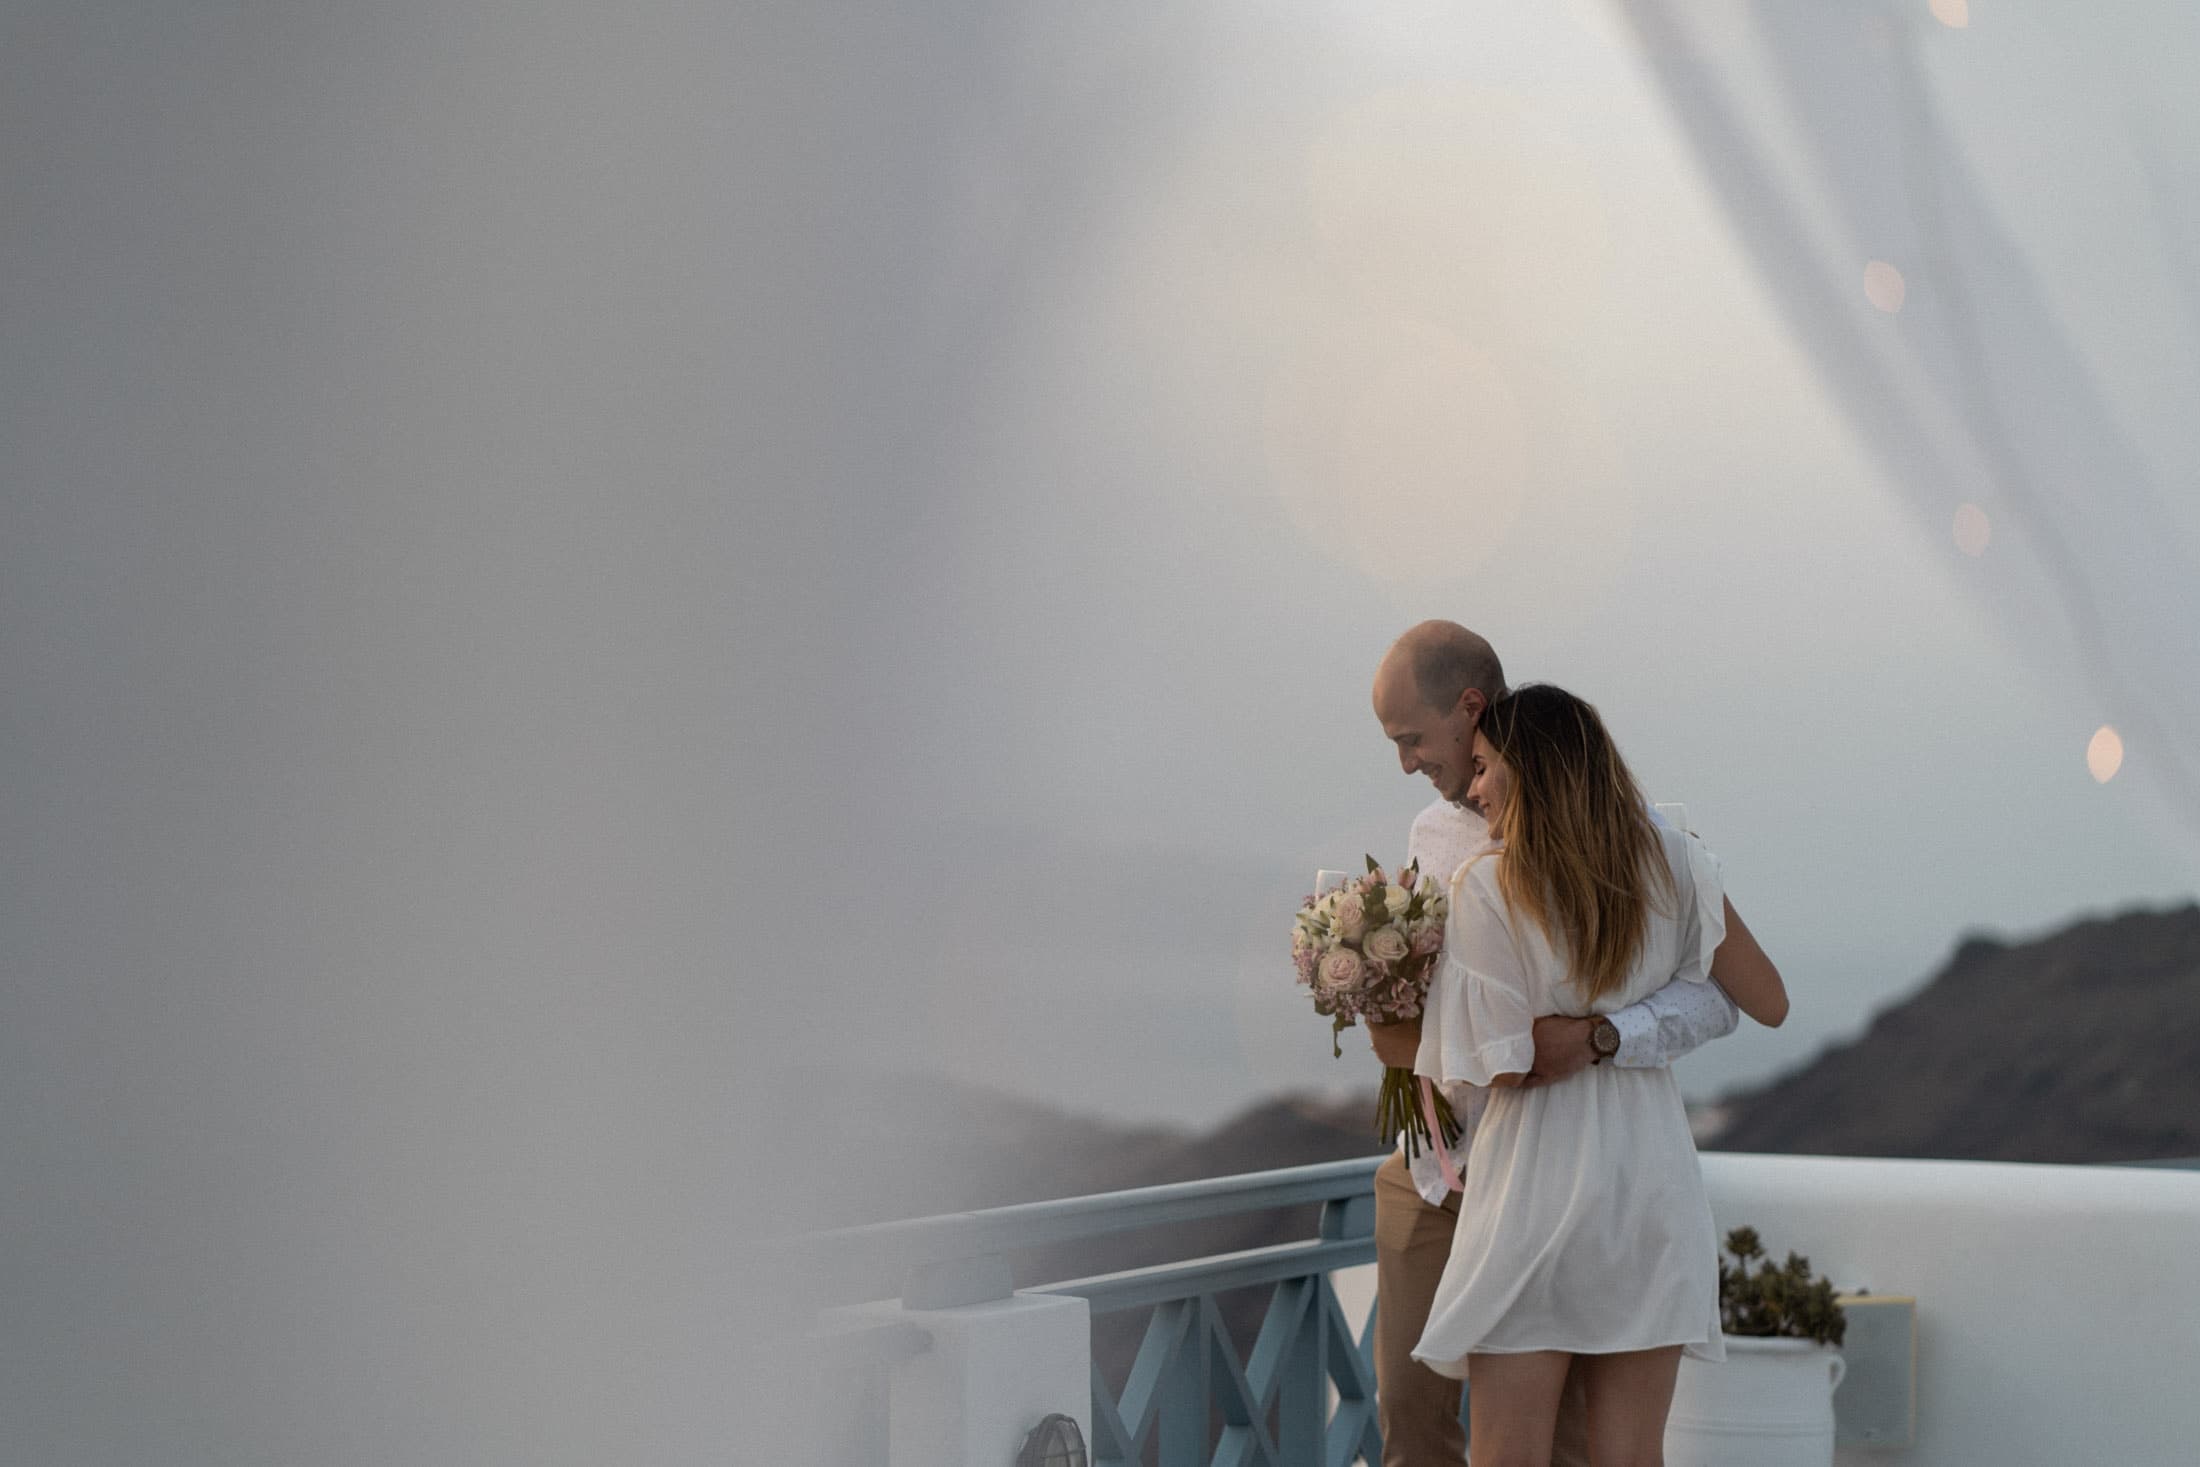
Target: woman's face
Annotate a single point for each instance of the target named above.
(1492, 785)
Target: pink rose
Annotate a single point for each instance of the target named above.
(1428, 941)
(1351, 916)
(1341, 970)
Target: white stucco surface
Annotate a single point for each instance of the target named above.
(2058, 1307)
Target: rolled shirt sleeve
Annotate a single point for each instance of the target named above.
(1676, 1020)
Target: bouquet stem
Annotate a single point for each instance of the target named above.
(1398, 1109)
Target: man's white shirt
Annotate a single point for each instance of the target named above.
(1671, 1022)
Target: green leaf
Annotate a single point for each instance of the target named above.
(1779, 1300)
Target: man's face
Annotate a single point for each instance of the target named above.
(1437, 742)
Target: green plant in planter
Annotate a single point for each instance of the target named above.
(1783, 1302)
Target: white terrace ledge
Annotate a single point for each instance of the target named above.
(2057, 1307)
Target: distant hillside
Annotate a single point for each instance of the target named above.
(914, 1147)
(887, 1147)
(2082, 1046)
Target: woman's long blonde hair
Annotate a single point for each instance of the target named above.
(1581, 854)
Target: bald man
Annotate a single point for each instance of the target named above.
(1430, 692)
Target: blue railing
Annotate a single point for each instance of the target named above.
(1188, 1397)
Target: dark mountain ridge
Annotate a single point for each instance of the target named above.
(2080, 1046)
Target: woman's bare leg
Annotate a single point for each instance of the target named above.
(1629, 1395)
(1570, 1443)
(1512, 1407)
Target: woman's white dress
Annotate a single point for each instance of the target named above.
(1585, 1227)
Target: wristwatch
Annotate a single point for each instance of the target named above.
(1603, 1039)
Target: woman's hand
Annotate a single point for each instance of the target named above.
(1740, 967)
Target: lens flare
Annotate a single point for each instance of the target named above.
(1410, 463)
(1884, 286)
(2105, 754)
(1954, 14)
(1974, 532)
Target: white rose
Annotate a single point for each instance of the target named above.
(1387, 945)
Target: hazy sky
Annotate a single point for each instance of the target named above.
(565, 568)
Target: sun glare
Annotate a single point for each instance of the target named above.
(1465, 208)
(1412, 466)
(1954, 14)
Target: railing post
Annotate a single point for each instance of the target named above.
(1349, 1217)
(844, 1377)
(989, 1373)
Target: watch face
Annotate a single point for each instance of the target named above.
(1605, 1036)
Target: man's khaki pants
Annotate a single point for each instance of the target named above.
(1419, 1409)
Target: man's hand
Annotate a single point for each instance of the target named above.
(1396, 1044)
(1561, 1049)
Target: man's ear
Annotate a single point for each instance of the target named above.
(1474, 704)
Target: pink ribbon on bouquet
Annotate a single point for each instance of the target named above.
(1436, 1136)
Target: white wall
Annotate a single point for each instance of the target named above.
(2058, 1307)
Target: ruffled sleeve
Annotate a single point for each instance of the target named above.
(1703, 912)
(1479, 1023)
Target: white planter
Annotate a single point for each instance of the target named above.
(1769, 1405)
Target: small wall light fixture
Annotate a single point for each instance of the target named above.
(1054, 1442)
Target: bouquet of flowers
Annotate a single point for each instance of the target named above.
(1365, 948)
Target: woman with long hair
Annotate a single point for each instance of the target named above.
(1593, 1237)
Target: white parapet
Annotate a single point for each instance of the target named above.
(2058, 1307)
(990, 1373)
